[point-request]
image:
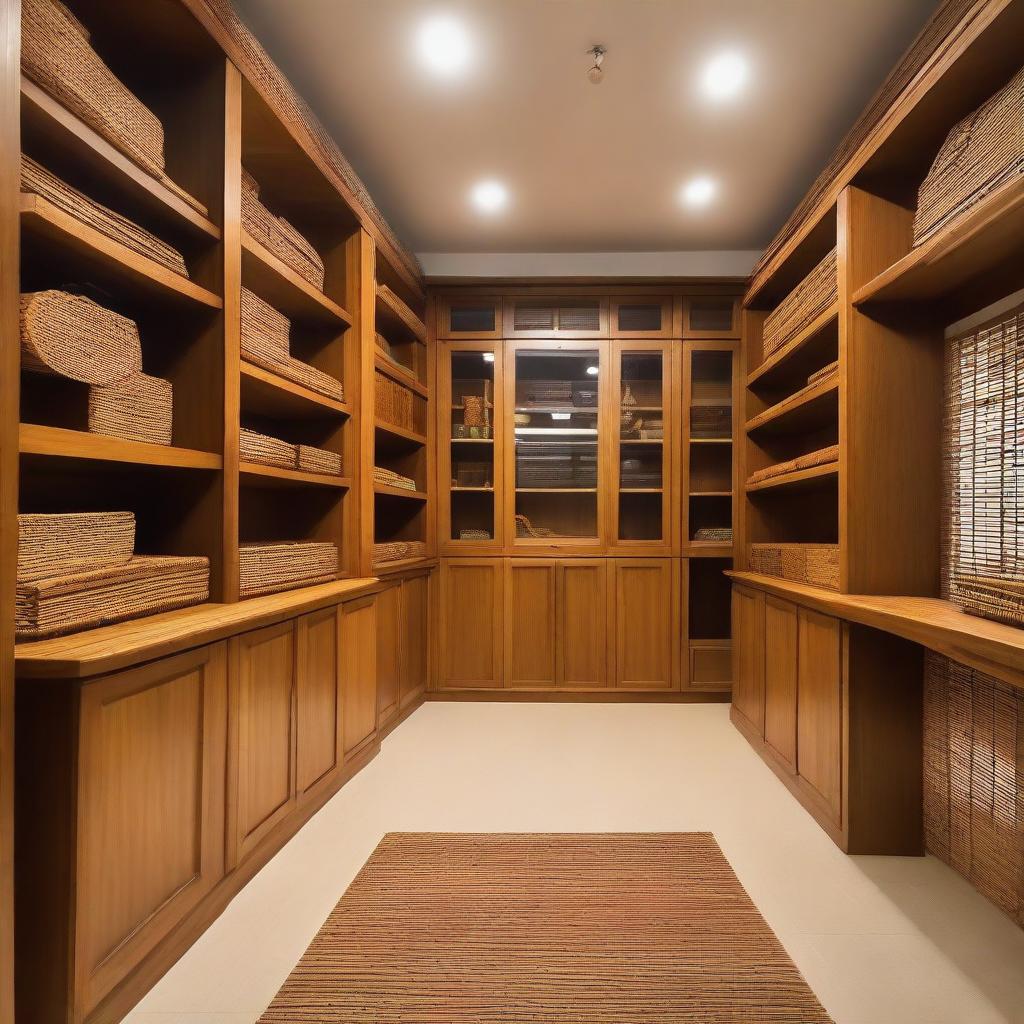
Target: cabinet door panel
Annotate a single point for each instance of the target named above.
(262, 695)
(150, 810)
(357, 640)
(416, 637)
(318, 705)
(748, 655)
(780, 678)
(530, 614)
(646, 628)
(582, 602)
(820, 707)
(389, 652)
(471, 623)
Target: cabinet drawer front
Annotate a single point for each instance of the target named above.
(317, 700)
(150, 812)
(710, 665)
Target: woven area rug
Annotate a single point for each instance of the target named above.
(616, 929)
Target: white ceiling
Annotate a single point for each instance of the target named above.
(590, 168)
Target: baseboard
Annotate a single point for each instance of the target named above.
(583, 696)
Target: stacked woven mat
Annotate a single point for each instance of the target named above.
(816, 564)
(403, 311)
(278, 236)
(821, 457)
(721, 534)
(267, 568)
(388, 477)
(398, 551)
(57, 55)
(265, 342)
(825, 371)
(271, 451)
(392, 403)
(73, 337)
(803, 305)
(78, 570)
(983, 152)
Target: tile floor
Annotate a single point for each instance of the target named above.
(881, 940)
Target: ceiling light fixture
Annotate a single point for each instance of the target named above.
(592, 370)
(596, 72)
(698, 191)
(724, 76)
(444, 45)
(489, 196)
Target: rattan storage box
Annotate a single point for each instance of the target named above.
(37, 180)
(804, 304)
(266, 568)
(278, 236)
(68, 542)
(265, 450)
(142, 586)
(816, 564)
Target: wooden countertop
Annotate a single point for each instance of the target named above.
(985, 645)
(110, 648)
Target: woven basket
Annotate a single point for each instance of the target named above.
(267, 568)
(402, 311)
(138, 409)
(56, 55)
(142, 586)
(804, 304)
(38, 180)
(815, 564)
(278, 236)
(393, 403)
(318, 460)
(390, 478)
(264, 450)
(825, 371)
(75, 337)
(398, 551)
(73, 542)
(982, 152)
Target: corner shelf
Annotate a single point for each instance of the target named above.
(802, 479)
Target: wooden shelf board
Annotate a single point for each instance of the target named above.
(556, 490)
(266, 392)
(275, 282)
(710, 440)
(641, 490)
(797, 480)
(57, 442)
(929, 621)
(472, 440)
(399, 492)
(817, 331)
(978, 241)
(708, 549)
(400, 432)
(403, 565)
(476, 490)
(652, 440)
(42, 220)
(110, 648)
(811, 406)
(257, 475)
(546, 410)
(45, 117)
(400, 375)
(387, 316)
(710, 494)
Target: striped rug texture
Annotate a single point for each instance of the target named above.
(610, 929)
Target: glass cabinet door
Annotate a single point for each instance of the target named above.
(472, 462)
(643, 415)
(555, 433)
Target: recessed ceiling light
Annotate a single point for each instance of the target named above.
(489, 196)
(698, 191)
(724, 76)
(444, 45)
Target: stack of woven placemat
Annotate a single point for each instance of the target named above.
(271, 451)
(267, 568)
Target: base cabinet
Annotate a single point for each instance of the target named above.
(646, 610)
(358, 672)
(472, 604)
(318, 719)
(403, 644)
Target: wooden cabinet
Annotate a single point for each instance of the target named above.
(531, 640)
(389, 652)
(748, 655)
(820, 707)
(317, 701)
(780, 678)
(357, 669)
(646, 608)
(415, 624)
(471, 615)
(585, 653)
(261, 777)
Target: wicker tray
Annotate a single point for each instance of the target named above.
(805, 303)
(266, 568)
(403, 311)
(318, 460)
(278, 236)
(982, 152)
(38, 180)
(142, 586)
(140, 408)
(73, 542)
(265, 450)
(815, 564)
(74, 337)
(398, 551)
